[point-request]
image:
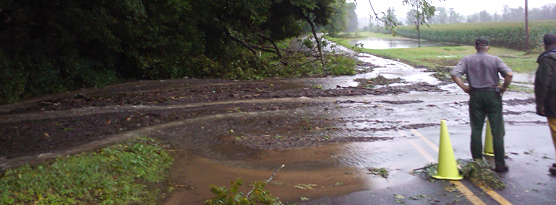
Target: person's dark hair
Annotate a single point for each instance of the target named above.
(482, 42)
(549, 39)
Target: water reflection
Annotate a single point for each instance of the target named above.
(384, 43)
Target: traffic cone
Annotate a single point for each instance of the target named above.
(447, 166)
(488, 149)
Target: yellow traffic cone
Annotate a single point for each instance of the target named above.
(447, 165)
(488, 149)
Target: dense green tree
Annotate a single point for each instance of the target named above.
(338, 20)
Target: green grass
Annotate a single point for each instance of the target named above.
(438, 57)
(129, 173)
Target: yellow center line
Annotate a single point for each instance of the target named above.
(432, 145)
(493, 194)
(462, 188)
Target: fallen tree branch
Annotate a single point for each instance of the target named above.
(268, 180)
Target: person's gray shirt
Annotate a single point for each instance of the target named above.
(481, 70)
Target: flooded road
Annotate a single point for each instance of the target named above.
(337, 168)
(333, 169)
(328, 143)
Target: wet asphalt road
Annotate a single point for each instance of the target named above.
(528, 146)
(530, 153)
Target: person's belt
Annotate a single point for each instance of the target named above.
(484, 89)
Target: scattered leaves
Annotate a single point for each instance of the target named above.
(305, 186)
(383, 172)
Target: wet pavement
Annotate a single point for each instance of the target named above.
(338, 173)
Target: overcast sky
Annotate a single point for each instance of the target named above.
(463, 7)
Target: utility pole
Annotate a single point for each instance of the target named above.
(526, 27)
(418, 23)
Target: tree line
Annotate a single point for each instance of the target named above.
(51, 46)
(546, 12)
(442, 15)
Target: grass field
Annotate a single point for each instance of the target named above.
(447, 57)
(501, 34)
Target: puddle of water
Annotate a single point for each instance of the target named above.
(198, 174)
(387, 68)
(382, 43)
(206, 153)
(194, 174)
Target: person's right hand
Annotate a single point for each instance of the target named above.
(540, 110)
(466, 89)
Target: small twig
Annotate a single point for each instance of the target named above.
(268, 180)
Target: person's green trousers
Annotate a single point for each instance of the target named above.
(482, 104)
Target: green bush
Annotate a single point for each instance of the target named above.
(12, 82)
(340, 65)
(233, 196)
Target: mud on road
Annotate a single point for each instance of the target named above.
(59, 122)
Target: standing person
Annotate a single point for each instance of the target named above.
(545, 87)
(481, 70)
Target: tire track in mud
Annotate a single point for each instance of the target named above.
(57, 129)
(35, 132)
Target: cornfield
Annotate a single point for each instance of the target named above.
(501, 34)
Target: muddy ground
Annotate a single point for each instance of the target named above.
(62, 121)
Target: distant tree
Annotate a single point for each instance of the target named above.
(513, 14)
(454, 17)
(440, 15)
(544, 13)
(473, 18)
(411, 17)
(484, 16)
(352, 17)
(390, 18)
(425, 8)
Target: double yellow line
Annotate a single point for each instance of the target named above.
(462, 188)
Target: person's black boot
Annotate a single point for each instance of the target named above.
(552, 169)
(504, 168)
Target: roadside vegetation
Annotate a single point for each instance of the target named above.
(133, 172)
(58, 46)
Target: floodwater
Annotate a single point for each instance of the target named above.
(330, 170)
(206, 152)
(207, 155)
(389, 43)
